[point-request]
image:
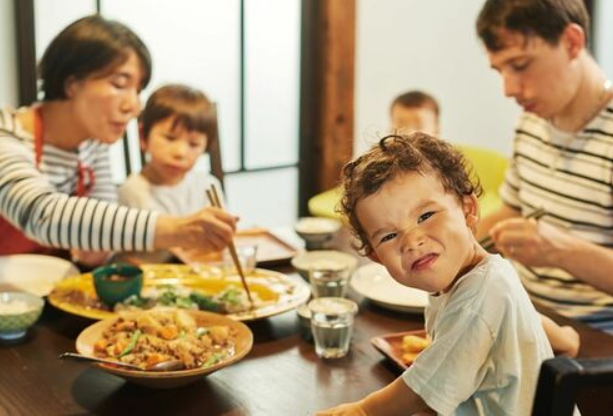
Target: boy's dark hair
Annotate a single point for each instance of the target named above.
(395, 155)
(89, 45)
(190, 108)
(546, 19)
(416, 99)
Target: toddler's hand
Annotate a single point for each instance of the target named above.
(569, 348)
(347, 409)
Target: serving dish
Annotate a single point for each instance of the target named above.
(276, 292)
(271, 249)
(390, 345)
(242, 341)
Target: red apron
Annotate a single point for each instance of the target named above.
(12, 239)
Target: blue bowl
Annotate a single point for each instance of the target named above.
(118, 281)
(13, 325)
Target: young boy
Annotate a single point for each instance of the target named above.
(415, 111)
(413, 208)
(175, 129)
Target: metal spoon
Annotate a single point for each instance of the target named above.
(170, 365)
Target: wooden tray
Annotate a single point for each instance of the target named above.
(390, 345)
(272, 251)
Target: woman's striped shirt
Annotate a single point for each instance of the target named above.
(571, 177)
(38, 202)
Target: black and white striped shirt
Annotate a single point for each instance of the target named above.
(571, 177)
(38, 202)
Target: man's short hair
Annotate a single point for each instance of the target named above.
(546, 19)
(416, 99)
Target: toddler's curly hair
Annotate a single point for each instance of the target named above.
(394, 155)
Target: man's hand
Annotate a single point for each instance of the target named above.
(530, 242)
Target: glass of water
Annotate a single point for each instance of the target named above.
(332, 325)
(329, 283)
(247, 256)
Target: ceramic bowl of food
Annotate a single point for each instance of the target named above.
(316, 232)
(323, 260)
(204, 341)
(18, 312)
(116, 282)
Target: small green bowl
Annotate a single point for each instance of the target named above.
(13, 326)
(118, 281)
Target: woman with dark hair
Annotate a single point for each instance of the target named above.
(56, 190)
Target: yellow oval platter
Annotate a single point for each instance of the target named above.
(276, 292)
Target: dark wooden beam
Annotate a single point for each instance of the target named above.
(327, 94)
(26, 51)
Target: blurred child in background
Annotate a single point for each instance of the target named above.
(175, 130)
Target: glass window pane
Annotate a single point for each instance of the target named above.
(8, 55)
(50, 17)
(272, 81)
(245, 194)
(195, 42)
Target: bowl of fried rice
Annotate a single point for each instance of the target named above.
(204, 341)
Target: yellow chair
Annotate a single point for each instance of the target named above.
(489, 166)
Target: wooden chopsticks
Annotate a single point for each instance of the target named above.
(487, 243)
(214, 200)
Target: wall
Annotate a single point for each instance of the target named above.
(429, 45)
(604, 34)
(8, 73)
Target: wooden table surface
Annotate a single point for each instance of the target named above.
(281, 375)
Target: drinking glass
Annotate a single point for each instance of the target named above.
(329, 282)
(332, 324)
(247, 256)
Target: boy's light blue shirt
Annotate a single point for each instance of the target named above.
(488, 346)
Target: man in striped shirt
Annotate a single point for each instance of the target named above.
(562, 156)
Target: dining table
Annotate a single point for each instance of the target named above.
(281, 375)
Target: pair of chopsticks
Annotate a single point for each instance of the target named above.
(215, 202)
(487, 243)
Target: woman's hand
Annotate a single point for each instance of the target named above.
(208, 229)
(89, 259)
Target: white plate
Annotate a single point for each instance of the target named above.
(375, 283)
(33, 273)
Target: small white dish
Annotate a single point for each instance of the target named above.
(375, 283)
(323, 260)
(33, 273)
(316, 231)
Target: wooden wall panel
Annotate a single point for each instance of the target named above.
(327, 93)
